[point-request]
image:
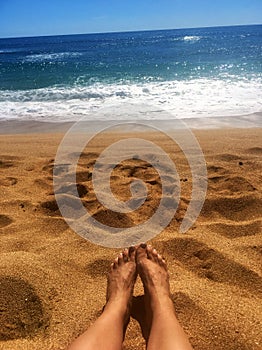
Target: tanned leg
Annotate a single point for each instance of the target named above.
(107, 333)
(166, 332)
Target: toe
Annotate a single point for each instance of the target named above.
(115, 263)
(125, 255)
(161, 261)
(120, 259)
(159, 258)
(164, 263)
(141, 252)
(132, 253)
(149, 251)
(155, 255)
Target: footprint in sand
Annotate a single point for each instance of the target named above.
(98, 268)
(232, 184)
(86, 159)
(8, 181)
(82, 176)
(236, 230)
(209, 263)
(21, 311)
(255, 150)
(49, 166)
(70, 189)
(214, 169)
(89, 157)
(227, 157)
(7, 161)
(50, 207)
(5, 164)
(232, 208)
(112, 218)
(5, 220)
(70, 204)
(45, 185)
(59, 169)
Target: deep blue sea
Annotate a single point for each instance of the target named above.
(191, 72)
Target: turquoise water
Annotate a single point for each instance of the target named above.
(191, 72)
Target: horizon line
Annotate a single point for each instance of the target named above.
(129, 31)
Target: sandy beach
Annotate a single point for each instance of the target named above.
(53, 282)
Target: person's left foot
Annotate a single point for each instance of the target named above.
(120, 282)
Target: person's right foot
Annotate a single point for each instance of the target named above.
(152, 269)
(121, 280)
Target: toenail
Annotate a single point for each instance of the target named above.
(143, 245)
(131, 249)
(154, 251)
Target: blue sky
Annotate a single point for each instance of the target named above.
(40, 17)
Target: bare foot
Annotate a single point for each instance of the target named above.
(152, 269)
(120, 283)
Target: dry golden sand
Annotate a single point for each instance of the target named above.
(52, 282)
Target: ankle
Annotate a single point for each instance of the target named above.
(116, 305)
(162, 304)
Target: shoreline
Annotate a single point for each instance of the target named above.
(17, 126)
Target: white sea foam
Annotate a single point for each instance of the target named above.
(4, 51)
(187, 38)
(51, 56)
(191, 38)
(184, 99)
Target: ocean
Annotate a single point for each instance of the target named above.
(208, 72)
